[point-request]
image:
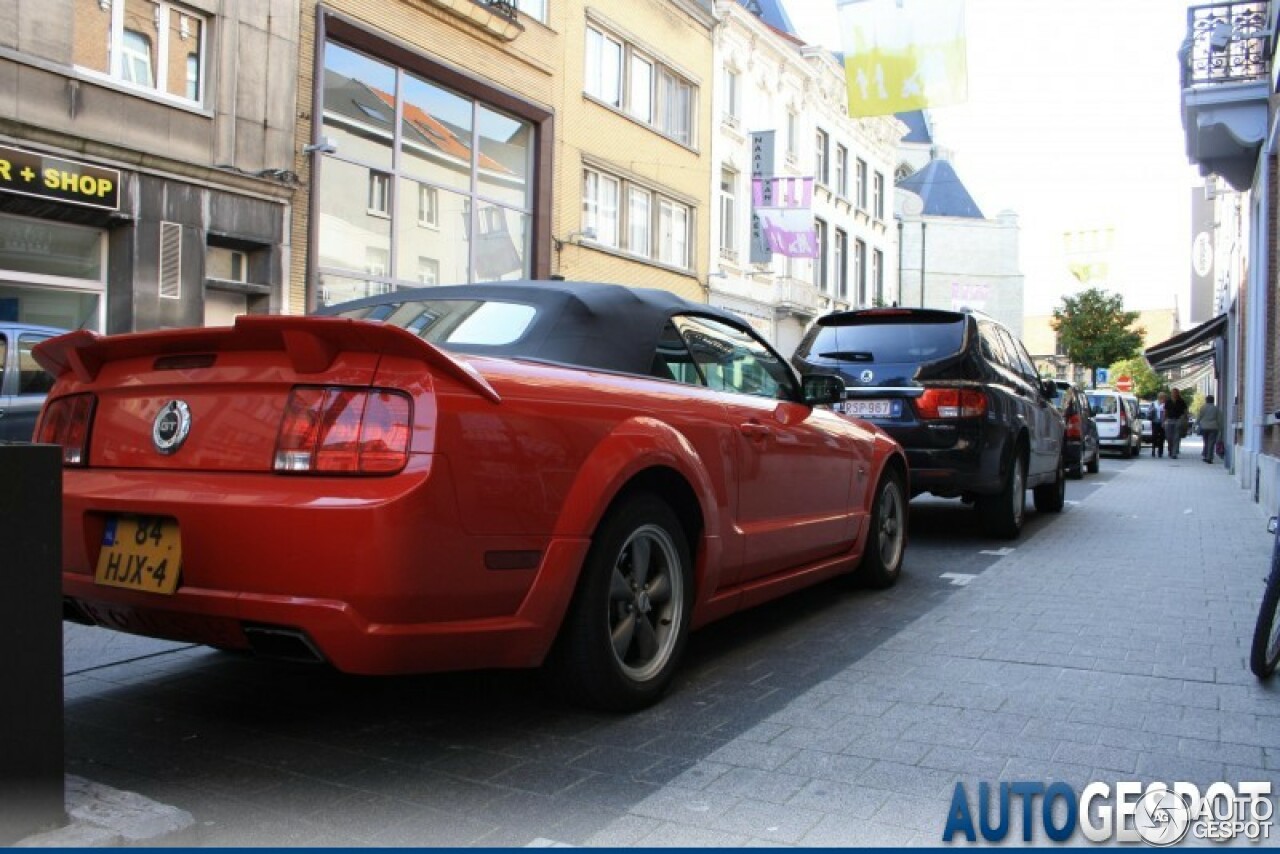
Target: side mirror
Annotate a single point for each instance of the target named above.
(822, 388)
(1049, 389)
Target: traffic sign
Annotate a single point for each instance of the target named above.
(1124, 383)
(1101, 376)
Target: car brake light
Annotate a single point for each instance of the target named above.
(65, 421)
(1073, 426)
(333, 430)
(950, 403)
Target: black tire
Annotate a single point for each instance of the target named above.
(1092, 468)
(1051, 497)
(621, 641)
(887, 534)
(1265, 652)
(1003, 513)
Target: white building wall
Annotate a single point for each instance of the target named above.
(778, 76)
(969, 263)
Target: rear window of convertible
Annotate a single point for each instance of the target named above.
(888, 339)
(455, 323)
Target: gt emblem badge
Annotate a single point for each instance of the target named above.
(172, 424)
(866, 376)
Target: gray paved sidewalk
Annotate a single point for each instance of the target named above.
(1110, 648)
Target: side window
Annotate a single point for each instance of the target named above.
(673, 361)
(1019, 362)
(732, 360)
(993, 346)
(32, 378)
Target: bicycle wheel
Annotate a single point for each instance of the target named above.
(1265, 652)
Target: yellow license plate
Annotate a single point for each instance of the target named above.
(140, 553)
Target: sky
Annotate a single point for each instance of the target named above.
(1073, 121)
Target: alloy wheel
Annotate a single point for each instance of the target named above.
(646, 597)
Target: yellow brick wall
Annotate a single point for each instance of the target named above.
(586, 127)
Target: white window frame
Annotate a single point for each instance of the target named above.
(732, 106)
(821, 279)
(640, 99)
(860, 184)
(536, 9)
(428, 206)
(639, 228)
(668, 103)
(840, 252)
(118, 52)
(860, 270)
(428, 270)
(596, 214)
(877, 277)
(877, 195)
(842, 171)
(793, 134)
(673, 242)
(606, 88)
(728, 209)
(821, 146)
(379, 196)
(658, 238)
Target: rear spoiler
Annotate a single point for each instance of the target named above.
(311, 344)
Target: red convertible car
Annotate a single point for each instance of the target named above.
(497, 475)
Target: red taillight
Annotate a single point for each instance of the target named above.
(344, 431)
(1073, 426)
(65, 422)
(950, 403)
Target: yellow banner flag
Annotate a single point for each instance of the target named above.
(902, 55)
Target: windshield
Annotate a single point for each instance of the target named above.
(1104, 404)
(889, 341)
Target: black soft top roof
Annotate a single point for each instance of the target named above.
(591, 324)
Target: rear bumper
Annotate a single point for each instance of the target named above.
(376, 573)
(956, 471)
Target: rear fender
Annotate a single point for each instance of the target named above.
(634, 446)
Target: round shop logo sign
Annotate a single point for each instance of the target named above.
(172, 424)
(1162, 817)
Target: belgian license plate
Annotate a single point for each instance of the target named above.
(866, 408)
(140, 553)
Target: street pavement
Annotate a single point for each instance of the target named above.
(1109, 643)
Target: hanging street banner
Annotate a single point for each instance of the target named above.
(902, 55)
(29, 174)
(784, 207)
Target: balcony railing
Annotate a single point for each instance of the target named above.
(1226, 43)
(505, 8)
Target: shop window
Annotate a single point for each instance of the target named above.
(452, 184)
(153, 46)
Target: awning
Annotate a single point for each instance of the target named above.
(1193, 348)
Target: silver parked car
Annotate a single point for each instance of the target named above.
(23, 383)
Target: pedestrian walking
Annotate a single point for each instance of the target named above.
(1175, 420)
(1157, 425)
(1210, 426)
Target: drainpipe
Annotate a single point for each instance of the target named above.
(923, 225)
(1255, 356)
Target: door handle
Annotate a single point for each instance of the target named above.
(755, 430)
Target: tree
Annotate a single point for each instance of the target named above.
(1093, 330)
(1146, 382)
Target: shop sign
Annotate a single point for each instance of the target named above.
(29, 174)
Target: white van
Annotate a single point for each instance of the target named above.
(1119, 424)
